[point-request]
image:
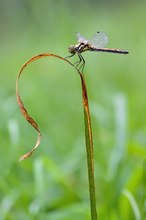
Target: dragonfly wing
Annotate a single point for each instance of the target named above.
(99, 40)
(81, 39)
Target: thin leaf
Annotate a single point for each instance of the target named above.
(89, 149)
(87, 121)
(133, 204)
(21, 105)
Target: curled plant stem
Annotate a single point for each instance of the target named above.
(87, 121)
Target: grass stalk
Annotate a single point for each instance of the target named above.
(87, 121)
(89, 150)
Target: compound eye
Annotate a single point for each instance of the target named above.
(71, 49)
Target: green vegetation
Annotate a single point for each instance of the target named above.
(53, 183)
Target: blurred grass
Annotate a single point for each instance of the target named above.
(53, 183)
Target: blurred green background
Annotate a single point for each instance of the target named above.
(52, 184)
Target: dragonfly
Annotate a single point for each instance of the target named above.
(96, 44)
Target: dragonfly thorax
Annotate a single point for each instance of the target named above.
(78, 48)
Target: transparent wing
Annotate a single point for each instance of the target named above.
(81, 39)
(99, 40)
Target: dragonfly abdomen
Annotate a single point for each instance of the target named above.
(108, 50)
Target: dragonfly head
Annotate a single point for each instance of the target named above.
(72, 49)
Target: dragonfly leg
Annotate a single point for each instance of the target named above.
(81, 61)
(69, 56)
(82, 65)
(76, 63)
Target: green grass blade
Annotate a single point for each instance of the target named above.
(133, 204)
